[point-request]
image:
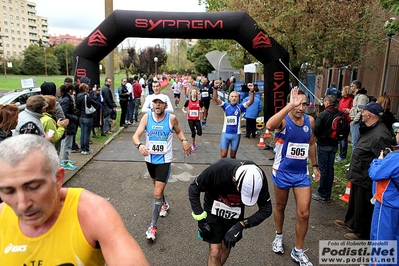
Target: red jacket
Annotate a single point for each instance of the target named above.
(346, 103)
(137, 90)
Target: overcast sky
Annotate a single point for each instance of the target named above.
(81, 17)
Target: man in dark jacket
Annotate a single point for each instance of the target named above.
(374, 137)
(109, 104)
(326, 149)
(123, 97)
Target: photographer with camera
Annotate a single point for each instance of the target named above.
(374, 137)
(384, 173)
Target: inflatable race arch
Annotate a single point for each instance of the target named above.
(238, 26)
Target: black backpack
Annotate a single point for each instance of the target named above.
(340, 126)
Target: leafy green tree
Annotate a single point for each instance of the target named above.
(64, 54)
(196, 54)
(33, 63)
(36, 62)
(320, 33)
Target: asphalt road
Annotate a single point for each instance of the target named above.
(124, 180)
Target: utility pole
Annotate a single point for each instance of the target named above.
(109, 67)
(66, 58)
(4, 56)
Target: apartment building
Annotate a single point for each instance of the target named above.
(20, 26)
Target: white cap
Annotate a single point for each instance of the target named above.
(249, 179)
(160, 97)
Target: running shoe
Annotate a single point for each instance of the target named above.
(278, 246)
(151, 232)
(164, 210)
(193, 147)
(301, 258)
(68, 166)
(338, 159)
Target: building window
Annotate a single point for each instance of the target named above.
(23, 19)
(12, 31)
(10, 1)
(17, 17)
(6, 30)
(4, 8)
(8, 52)
(10, 9)
(11, 16)
(12, 24)
(4, 15)
(5, 23)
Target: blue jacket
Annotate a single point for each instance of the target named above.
(254, 109)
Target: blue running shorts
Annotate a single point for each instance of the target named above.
(286, 180)
(229, 139)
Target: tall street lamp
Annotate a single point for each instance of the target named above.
(389, 28)
(156, 62)
(45, 60)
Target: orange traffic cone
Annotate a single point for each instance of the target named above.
(345, 197)
(262, 142)
(311, 104)
(267, 134)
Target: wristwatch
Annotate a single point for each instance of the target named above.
(184, 139)
(138, 145)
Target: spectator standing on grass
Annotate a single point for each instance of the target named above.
(29, 119)
(75, 147)
(387, 117)
(57, 127)
(49, 88)
(109, 104)
(374, 137)
(344, 105)
(68, 107)
(326, 149)
(333, 91)
(355, 114)
(137, 91)
(295, 145)
(123, 101)
(86, 120)
(130, 102)
(144, 86)
(97, 116)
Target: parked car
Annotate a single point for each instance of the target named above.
(19, 97)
